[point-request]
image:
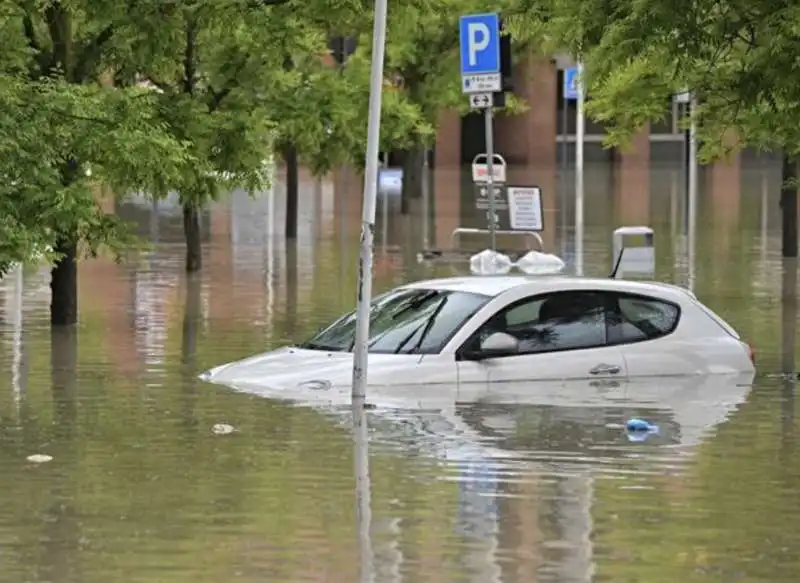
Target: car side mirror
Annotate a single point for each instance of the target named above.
(496, 345)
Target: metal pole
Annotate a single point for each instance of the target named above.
(16, 365)
(564, 166)
(692, 211)
(385, 207)
(490, 173)
(361, 345)
(426, 203)
(579, 138)
(363, 490)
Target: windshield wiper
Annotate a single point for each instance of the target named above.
(426, 327)
(415, 303)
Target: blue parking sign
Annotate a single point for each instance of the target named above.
(479, 37)
(571, 83)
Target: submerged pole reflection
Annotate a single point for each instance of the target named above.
(789, 317)
(16, 363)
(363, 490)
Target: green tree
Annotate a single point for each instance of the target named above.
(58, 123)
(240, 81)
(737, 57)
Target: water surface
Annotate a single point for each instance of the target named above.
(141, 489)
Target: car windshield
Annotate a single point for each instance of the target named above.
(405, 321)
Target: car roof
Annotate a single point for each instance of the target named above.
(495, 285)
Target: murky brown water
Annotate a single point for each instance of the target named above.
(141, 489)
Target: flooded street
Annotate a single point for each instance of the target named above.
(141, 488)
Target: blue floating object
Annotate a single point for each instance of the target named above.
(639, 425)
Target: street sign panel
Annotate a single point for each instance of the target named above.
(480, 169)
(481, 100)
(479, 39)
(525, 208)
(483, 218)
(571, 85)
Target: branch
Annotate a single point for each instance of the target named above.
(30, 34)
(41, 57)
(230, 85)
(67, 115)
(189, 56)
(91, 52)
(260, 3)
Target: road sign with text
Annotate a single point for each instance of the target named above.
(479, 38)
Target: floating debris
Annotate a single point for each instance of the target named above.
(636, 424)
(222, 429)
(39, 458)
(639, 430)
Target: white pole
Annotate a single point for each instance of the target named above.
(363, 490)
(16, 365)
(563, 191)
(385, 207)
(361, 346)
(692, 211)
(426, 202)
(269, 276)
(580, 130)
(489, 126)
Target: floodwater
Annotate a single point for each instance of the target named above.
(140, 488)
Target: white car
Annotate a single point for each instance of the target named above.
(535, 338)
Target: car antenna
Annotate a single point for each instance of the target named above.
(613, 274)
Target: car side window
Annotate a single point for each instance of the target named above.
(638, 318)
(552, 322)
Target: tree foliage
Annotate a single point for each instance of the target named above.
(57, 121)
(738, 57)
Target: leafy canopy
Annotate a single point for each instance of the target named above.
(739, 57)
(57, 121)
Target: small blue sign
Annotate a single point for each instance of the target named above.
(479, 36)
(571, 86)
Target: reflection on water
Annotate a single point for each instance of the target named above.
(141, 489)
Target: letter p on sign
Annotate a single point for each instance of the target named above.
(478, 34)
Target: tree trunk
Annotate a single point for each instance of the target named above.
(63, 377)
(192, 315)
(412, 177)
(191, 230)
(292, 192)
(291, 288)
(789, 207)
(64, 284)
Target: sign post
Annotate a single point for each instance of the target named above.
(570, 91)
(574, 89)
(365, 260)
(687, 99)
(481, 76)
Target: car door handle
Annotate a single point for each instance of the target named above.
(605, 369)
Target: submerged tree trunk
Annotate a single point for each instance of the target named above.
(292, 191)
(191, 230)
(789, 207)
(413, 160)
(64, 283)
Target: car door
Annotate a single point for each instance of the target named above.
(563, 351)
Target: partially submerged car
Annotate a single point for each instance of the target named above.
(467, 337)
